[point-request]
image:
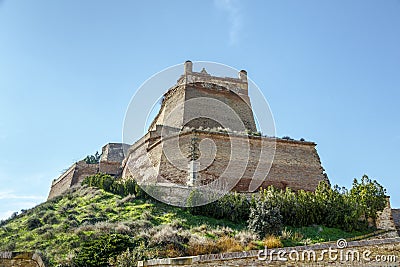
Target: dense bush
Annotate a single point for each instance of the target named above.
(332, 207)
(370, 195)
(33, 223)
(50, 218)
(233, 206)
(112, 185)
(265, 217)
(97, 252)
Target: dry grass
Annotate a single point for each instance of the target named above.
(246, 237)
(228, 244)
(121, 228)
(171, 251)
(200, 245)
(221, 231)
(165, 235)
(272, 241)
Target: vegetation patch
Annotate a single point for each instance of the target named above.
(113, 222)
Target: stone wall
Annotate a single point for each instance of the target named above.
(82, 171)
(171, 111)
(111, 157)
(73, 176)
(396, 219)
(385, 221)
(380, 252)
(296, 164)
(141, 165)
(110, 163)
(63, 183)
(218, 105)
(20, 259)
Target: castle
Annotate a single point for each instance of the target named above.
(205, 131)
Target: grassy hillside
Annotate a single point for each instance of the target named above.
(88, 227)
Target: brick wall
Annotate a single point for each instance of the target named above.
(242, 120)
(233, 92)
(295, 165)
(141, 165)
(171, 111)
(63, 183)
(73, 176)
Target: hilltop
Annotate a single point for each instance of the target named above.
(88, 226)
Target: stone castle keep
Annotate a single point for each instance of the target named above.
(194, 141)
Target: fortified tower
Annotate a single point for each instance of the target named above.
(194, 113)
(193, 140)
(232, 92)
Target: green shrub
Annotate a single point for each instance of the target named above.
(331, 207)
(112, 185)
(97, 252)
(50, 218)
(33, 223)
(127, 259)
(233, 206)
(370, 195)
(265, 217)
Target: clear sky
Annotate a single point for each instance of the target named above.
(330, 71)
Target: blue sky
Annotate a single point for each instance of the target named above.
(330, 71)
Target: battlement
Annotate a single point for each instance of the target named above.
(230, 93)
(238, 85)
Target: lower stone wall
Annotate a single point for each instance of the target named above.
(295, 164)
(83, 170)
(112, 168)
(385, 220)
(379, 252)
(20, 259)
(73, 176)
(63, 183)
(142, 165)
(396, 218)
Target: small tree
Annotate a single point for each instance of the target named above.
(265, 217)
(370, 195)
(33, 223)
(92, 159)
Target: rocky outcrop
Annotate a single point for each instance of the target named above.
(20, 259)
